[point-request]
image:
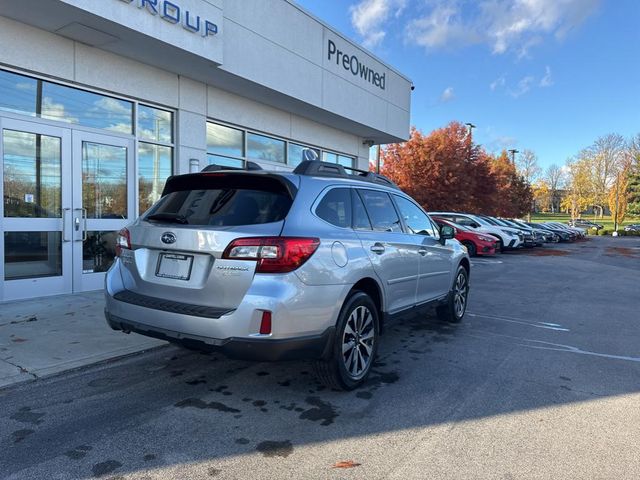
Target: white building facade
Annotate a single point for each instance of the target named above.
(102, 100)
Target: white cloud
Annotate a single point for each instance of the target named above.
(546, 81)
(524, 85)
(504, 25)
(442, 27)
(497, 83)
(447, 95)
(368, 18)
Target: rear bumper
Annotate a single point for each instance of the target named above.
(257, 349)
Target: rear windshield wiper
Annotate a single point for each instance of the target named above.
(169, 217)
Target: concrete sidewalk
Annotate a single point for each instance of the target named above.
(49, 335)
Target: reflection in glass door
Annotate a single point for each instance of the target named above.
(103, 203)
(36, 187)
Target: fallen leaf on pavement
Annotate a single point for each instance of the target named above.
(346, 464)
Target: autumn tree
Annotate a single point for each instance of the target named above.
(579, 187)
(514, 196)
(618, 198)
(443, 170)
(541, 195)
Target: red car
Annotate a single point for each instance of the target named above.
(476, 243)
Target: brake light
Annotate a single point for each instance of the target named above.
(273, 254)
(123, 241)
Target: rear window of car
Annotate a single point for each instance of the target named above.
(335, 207)
(222, 200)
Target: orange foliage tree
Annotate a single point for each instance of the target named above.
(443, 170)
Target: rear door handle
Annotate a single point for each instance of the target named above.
(423, 251)
(377, 248)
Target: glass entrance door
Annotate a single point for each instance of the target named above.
(103, 203)
(66, 194)
(35, 181)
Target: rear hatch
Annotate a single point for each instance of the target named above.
(176, 248)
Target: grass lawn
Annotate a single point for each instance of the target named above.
(564, 218)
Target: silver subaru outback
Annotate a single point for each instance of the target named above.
(275, 266)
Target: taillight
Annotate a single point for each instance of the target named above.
(273, 254)
(123, 241)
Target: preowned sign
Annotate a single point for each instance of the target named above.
(353, 64)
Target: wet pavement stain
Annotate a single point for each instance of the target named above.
(196, 381)
(26, 415)
(20, 435)
(242, 441)
(78, 452)
(567, 379)
(262, 374)
(271, 448)
(323, 412)
(176, 373)
(202, 405)
(149, 457)
(105, 468)
(214, 472)
(364, 395)
(259, 403)
(285, 383)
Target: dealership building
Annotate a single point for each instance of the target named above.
(102, 100)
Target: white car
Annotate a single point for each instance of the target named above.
(508, 238)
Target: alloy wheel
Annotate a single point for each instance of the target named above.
(358, 341)
(460, 293)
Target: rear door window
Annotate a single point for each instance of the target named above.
(224, 200)
(381, 211)
(335, 207)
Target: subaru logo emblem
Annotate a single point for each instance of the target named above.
(168, 237)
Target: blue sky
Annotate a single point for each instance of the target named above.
(548, 75)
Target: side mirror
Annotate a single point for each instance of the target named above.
(446, 233)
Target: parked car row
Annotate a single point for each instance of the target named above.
(486, 235)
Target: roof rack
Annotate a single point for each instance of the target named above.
(249, 166)
(325, 169)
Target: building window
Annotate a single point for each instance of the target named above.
(225, 145)
(155, 125)
(298, 153)
(51, 101)
(155, 153)
(343, 160)
(232, 147)
(262, 148)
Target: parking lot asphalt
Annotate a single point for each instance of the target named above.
(541, 380)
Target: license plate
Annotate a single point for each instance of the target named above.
(174, 265)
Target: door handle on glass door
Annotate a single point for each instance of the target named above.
(64, 225)
(377, 248)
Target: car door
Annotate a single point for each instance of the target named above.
(436, 259)
(393, 253)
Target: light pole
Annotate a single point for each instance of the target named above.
(513, 152)
(470, 126)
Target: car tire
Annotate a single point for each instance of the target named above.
(456, 304)
(471, 248)
(354, 347)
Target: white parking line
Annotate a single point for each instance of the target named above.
(545, 325)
